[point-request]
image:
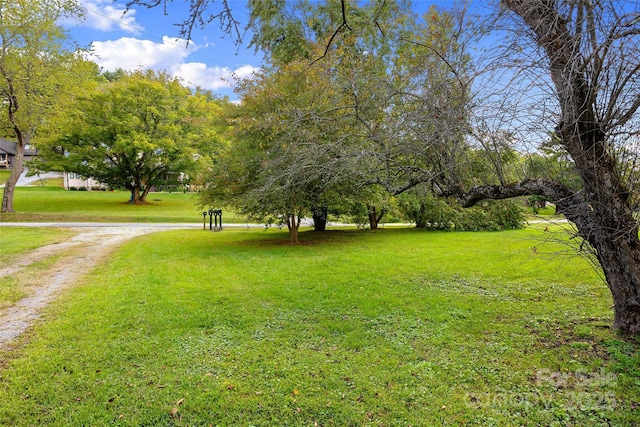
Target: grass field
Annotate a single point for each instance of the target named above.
(16, 241)
(350, 328)
(52, 203)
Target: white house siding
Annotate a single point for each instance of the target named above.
(75, 181)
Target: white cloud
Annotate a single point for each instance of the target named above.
(130, 53)
(245, 71)
(170, 55)
(213, 78)
(104, 15)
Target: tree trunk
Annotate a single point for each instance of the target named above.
(293, 225)
(293, 235)
(374, 217)
(610, 227)
(620, 261)
(320, 218)
(135, 194)
(373, 221)
(16, 170)
(143, 195)
(420, 216)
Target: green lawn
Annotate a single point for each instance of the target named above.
(350, 328)
(15, 241)
(52, 203)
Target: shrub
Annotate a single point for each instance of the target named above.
(447, 214)
(508, 214)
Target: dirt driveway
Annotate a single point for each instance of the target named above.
(74, 259)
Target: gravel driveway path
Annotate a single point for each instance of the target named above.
(96, 243)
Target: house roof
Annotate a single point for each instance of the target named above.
(9, 147)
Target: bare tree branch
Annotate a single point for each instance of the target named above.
(342, 25)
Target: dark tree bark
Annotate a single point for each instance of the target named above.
(144, 194)
(319, 218)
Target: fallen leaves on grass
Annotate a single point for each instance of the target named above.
(174, 410)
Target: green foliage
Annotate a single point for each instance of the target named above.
(36, 63)
(278, 32)
(280, 163)
(135, 132)
(445, 214)
(552, 163)
(113, 76)
(374, 117)
(393, 328)
(361, 212)
(506, 214)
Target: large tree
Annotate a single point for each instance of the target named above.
(590, 52)
(133, 132)
(399, 103)
(38, 71)
(283, 161)
(364, 78)
(299, 128)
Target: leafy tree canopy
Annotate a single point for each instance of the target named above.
(135, 132)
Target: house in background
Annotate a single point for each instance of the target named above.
(74, 181)
(8, 153)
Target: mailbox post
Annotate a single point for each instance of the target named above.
(218, 219)
(215, 219)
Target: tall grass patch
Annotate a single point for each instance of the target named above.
(395, 327)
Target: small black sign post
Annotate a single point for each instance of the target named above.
(218, 219)
(215, 219)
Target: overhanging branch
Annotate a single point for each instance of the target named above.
(568, 202)
(562, 196)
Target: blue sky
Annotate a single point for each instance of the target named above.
(147, 38)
